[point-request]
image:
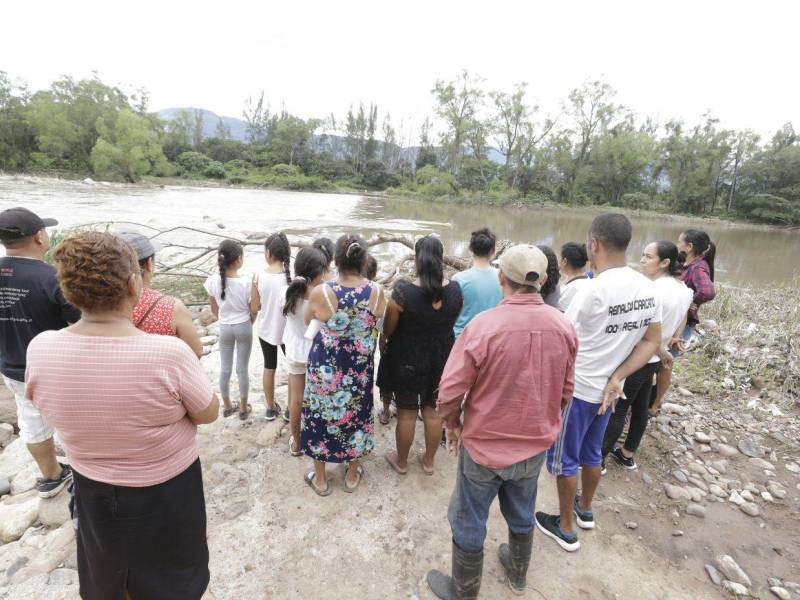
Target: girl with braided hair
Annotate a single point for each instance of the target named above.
(229, 296)
(265, 300)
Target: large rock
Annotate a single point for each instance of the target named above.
(731, 569)
(53, 549)
(750, 448)
(16, 518)
(25, 480)
(676, 492)
(14, 458)
(8, 406)
(54, 512)
(6, 433)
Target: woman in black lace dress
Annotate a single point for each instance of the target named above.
(419, 331)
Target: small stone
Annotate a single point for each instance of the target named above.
(675, 492)
(737, 589)
(631, 525)
(750, 448)
(680, 476)
(717, 491)
(793, 467)
(6, 433)
(780, 592)
(646, 479)
(684, 392)
(677, 533)
(774, 581)
(727, 450)
(767, 497)
(747, 496)
(675, 409)
(713, 574)
(776, 489)
(696, 510)
(792, 586)
(731, 569)
(696, 495)
(721, 465)
(750, 508)
(701, 437)
(696, 468)
(63, 577)
(698, 483)
(762, 464)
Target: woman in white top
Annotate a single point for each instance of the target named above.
(659, 263)
(573, 272)
(266, 299)
(229, 295)
(310, 266)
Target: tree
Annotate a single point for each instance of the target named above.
(390, 154)
(457, 104)
(426, 155)
(291, 137)
(197, 128)
(744, 145)
(222, 132)
(17, 141)
(257, 118)
(360, 143)
(127, 149)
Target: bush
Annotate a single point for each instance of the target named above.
(214, 170)
(375, 174)
(769, 209)
(635, 201)
(40, 161)
(284, 170)
(192, 162)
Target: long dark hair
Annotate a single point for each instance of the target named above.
(228, 253)
(309, 264)
(702, 246)
(277, 245)
(666, 250)
(553, 274)
(351, 253)
(428, 256)
(575, 254)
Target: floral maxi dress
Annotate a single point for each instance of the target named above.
(336, 423)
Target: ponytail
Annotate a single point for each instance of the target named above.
(351, 253)
(278, 247)
(666, 250)
(702, 247)
(229, 252)
(309, 264)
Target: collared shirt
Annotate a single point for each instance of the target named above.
(697, 276)
(516, 363)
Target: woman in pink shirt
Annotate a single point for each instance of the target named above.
(126, 406)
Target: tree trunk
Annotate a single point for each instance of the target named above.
(733, 183)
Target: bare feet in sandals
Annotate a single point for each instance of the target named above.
(394, 462)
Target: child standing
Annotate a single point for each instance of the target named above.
(229, 295)
(309, 268)
(265, 299)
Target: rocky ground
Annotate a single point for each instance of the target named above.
(712, 512)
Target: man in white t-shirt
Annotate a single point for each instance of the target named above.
(617, 318)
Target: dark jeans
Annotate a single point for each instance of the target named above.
(638, 389)
(476, 488)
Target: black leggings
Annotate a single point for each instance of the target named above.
(638, 390)
(270, 353)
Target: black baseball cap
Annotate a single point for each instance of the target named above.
(19, 222)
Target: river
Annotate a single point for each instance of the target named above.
(746, 255)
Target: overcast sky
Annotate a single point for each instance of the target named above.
(666, 59)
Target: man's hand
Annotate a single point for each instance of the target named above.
(453, 439)
(611, 392)
(678, 345)
(666, 360)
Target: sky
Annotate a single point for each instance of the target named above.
(666, 60)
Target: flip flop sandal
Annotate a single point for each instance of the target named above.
(309, 479)
(384, 418)
(227, 412)
(243, 415)
(395, 467)
(291, 445)
(427, 470)
(347, 488)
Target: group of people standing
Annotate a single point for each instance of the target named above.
(518, 368)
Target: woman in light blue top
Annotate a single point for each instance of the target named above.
(480, 285)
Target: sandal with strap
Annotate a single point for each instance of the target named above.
(347, 488)
(244, 414)
(309, 479)
(227, 412)
(293, 452)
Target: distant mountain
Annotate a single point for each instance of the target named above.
(238, 128)
(325, 142)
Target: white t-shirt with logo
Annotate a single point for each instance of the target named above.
(270, 321)
(675, 298)
(235, 308)
(569, 290)
(611, 314)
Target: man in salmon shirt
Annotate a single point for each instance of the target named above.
(515, 364)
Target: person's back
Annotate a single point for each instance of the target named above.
(480, 288)
(154, 313)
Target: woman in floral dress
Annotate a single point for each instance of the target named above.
(337, 423)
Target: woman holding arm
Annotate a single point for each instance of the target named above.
(126, 406)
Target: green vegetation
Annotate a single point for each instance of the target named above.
(482, 146)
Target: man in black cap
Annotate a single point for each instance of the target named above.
(30, 302)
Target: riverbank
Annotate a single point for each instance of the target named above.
(719, 476)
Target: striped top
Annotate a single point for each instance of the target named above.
(119, 404)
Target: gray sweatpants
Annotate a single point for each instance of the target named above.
(239, 336)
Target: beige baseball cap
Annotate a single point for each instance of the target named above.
(524, 264)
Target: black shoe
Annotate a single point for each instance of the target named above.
(50, 487)
(272, 413)
(603, 469)
(466, 580)
(286, 414)
(628, 463)
(549, 525)
(515, 556)
(585, 519)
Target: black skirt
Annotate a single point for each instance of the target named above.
(150, 541)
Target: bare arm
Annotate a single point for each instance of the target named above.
(392, 317)
(184, 327)
(208, 415)
(255, 299)
(641, 353)
(214, 306)
(317, 305)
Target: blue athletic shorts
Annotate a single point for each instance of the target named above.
(580, 440)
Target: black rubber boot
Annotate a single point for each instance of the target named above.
(515, 558)
(466, 580)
